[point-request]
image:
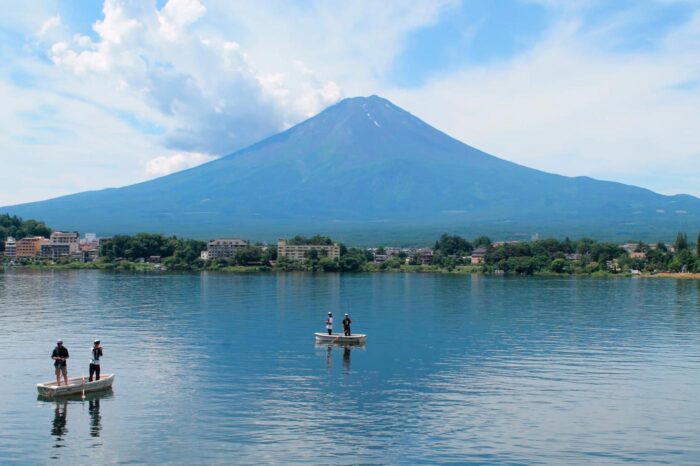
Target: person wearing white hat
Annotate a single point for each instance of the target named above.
(95, 360)
(59, 356)
(329, 323)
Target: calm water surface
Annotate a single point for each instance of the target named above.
(217, 369)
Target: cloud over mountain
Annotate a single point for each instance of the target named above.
(205, 85)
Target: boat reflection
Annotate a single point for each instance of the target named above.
(58, 427)
(95, 417)
(347, 351)
(346, 358)
(59, 424)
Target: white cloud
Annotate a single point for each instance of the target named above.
(215, 98)
(167, 164)
(178, 14)
(83, 145)
(49, 24)
(350, 43)
(571, 106)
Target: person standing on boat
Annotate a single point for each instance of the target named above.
(346, 325)
(59, 356)
(95, 360)
(329, 323)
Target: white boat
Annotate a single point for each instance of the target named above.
(339, 338)
(76, 385)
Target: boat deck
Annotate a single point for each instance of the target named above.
(340, 339)
(75, 385)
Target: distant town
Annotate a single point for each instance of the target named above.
(450, 253)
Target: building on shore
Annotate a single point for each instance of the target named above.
(10, 247)
(224, 247)
(380, 258)
(30, 246)
(90, 238)
(55, 251)
(300, 252)
(425, 256)
(71, 238)
(478, 256)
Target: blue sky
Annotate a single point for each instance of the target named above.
(106, 94)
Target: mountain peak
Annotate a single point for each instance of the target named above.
(364, 116)
(372, 102)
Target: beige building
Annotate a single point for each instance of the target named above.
(300, 252)
(71, 238)
(223, 247)
(30, 246)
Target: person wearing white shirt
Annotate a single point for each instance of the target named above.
(95, 360)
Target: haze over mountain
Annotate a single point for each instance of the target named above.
(365, 170)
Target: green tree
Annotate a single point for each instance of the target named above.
(558, 266)
(353, 260)
(449, 245)
(329, 265)
(681, 242)
(683, 260)
(316, 240)
(248, 255)
(481, 242)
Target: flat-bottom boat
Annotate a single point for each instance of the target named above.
(76, 385)
(339, 338)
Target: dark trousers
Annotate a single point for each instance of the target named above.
(94, 369)
(347, 330)
(330, 332)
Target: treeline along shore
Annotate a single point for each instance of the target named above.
(449, 254)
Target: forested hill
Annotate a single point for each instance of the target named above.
(11, 225)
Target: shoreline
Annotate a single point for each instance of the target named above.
(462, 270)
(676, 275)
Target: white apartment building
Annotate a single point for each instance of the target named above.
(10, 247)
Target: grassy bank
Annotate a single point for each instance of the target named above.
(679, 276)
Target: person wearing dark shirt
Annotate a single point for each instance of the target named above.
(59, 356)
(95, 361)
(346, 325)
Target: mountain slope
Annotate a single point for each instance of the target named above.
(368, 170)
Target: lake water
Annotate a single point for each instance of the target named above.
(222, 368)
